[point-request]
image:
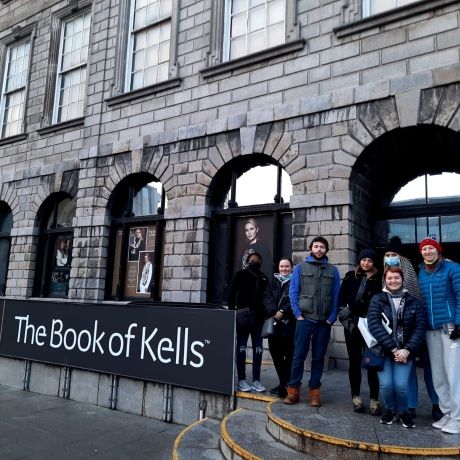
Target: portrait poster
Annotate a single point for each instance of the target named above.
(141, 245)
(60, 275)
(254, 234)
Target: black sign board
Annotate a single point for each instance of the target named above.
(190, 347)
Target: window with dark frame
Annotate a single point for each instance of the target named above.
(136, 246)
(54, 256)
(239, 229)
(6, 223)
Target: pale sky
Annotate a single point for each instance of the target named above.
(259, 186)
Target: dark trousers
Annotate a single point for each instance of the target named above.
(282, 350)
(242, 336)
(355, 347)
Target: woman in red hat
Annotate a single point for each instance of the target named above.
(440, 286)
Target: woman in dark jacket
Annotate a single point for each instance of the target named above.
(278, 306)
(407, 321)
(246, 296)
(356, 291)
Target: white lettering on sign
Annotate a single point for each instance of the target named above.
(175, 350)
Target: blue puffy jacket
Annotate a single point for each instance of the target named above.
(441, 293)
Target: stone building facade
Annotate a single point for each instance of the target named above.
(351, 104)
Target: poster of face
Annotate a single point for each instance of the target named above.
(144, 272)
(254, 235)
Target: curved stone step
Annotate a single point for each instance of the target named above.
(332, 432)
(253, 401)
(244, 436)
(200, 440)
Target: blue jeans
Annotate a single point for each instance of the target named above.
(318, 332)
(394, 384)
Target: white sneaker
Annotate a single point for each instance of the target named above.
(442, 422)
(244, 386)
(257, 387)
(453, 426)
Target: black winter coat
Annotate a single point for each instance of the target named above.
(349, 290)
(413, 322)
(247, 291)
(276, 298)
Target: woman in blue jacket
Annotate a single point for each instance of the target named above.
(440, 285)
(407, 321)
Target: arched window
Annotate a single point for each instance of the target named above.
(135, 254)
(54, 255)
(429, 204)
(6, 222)
(250, 213)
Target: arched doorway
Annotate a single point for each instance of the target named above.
(385, 167)
(249, 198)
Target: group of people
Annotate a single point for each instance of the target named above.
(415, 320)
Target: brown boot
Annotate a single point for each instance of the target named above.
(293, 395)
(313, 396)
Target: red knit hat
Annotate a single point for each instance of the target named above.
(430, 241)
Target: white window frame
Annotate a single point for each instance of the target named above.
(162, 20)
(228, 22)
(367, 6)
(60, 74)
(21, 90)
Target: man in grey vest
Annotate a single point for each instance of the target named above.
(314, 295)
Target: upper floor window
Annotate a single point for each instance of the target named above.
(253, 25)
(149, 43)
(371, 7)
(72, 68)
(14, 88)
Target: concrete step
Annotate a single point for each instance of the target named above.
(244, 436)
(200, 440)
(254, 401)
(336, 432)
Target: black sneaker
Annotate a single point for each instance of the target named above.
(412, 412)
(388, 417)
(406, 420)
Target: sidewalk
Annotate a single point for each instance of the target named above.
(34, 426)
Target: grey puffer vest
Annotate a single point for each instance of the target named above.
(315, 299)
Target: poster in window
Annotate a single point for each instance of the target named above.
(145, 270)
(254, 235)
(137, 241)
(141, 243)
(60, 275)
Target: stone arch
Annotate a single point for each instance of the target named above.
(391, 161)
(394, 140)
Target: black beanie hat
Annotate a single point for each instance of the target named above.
(367, 254)
(394, 245)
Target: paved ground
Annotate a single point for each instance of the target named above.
(34, 426)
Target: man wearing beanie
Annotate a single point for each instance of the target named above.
(440, 286)
(314, 293)
(358, 287)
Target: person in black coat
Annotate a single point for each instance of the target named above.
(356, 291)
(407, 321)
(278, 306)
(246, 297)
